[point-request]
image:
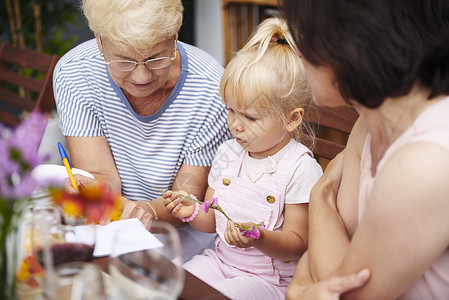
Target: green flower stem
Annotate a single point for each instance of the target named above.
(211, 206)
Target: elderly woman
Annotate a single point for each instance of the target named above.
(139, 108)
(383, 203)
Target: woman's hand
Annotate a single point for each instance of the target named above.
(234, 237)
(81, 182)
(137, 209)
(179, 207)
(328, 289)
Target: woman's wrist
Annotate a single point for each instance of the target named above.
(152, 210)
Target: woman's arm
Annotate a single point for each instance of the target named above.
(328, 237)
(93, 154)
(404, 226)
(303, 287)
(333, 207)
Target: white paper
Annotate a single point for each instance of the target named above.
(133, 237)
(55, 172)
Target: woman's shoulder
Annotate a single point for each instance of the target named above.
(199, 63)
(84, 51)
(83, 58)
(432, 125)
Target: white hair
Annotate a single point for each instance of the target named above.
(140, 24)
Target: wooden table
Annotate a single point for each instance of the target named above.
(194, 288)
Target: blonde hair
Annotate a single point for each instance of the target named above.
(272, 70)
(140, 24)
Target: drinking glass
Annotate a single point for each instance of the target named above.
(64, 243)
(78, 281)
(54, 244)
(153, 273)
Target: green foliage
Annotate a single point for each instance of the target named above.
(56, 17)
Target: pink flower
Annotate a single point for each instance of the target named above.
(205, 206)
(253, 233)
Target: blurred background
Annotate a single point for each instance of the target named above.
(54, 27)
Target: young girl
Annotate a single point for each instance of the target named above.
(264, 175)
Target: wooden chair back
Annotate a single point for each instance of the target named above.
(25, 83)
(240, 17)
(334, 125)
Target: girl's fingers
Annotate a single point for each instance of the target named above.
(171, 204)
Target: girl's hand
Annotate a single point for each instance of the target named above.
(179, 207)
(234, 237)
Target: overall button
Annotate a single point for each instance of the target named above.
(270, 199)
(287, 261)
(226, 181)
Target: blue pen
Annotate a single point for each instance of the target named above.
(63, 154)
(67, 165)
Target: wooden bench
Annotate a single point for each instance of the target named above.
(334, 125)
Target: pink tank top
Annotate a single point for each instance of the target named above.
(432, 126)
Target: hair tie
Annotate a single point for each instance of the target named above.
(276, 39)
(282, 41)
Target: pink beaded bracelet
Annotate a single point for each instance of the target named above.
(193, 215)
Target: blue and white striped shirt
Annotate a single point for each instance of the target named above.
(148, 150)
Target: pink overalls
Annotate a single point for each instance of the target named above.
(247, 273)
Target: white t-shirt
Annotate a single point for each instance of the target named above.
(305, 173)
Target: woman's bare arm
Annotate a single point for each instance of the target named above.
(404, 226)
(333, 207)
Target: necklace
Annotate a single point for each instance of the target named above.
(161, 99)
(163, 92)
(398, 121)
(377, 152)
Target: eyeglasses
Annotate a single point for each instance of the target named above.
(153, 63)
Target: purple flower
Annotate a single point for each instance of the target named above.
(206, 205)
(253, 233)
(27, 137)
(214, 201)
(19, 155)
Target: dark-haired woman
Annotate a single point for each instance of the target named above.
(383, 203)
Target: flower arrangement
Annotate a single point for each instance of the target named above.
(91, 205)
(18, 157)
(252, 232)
